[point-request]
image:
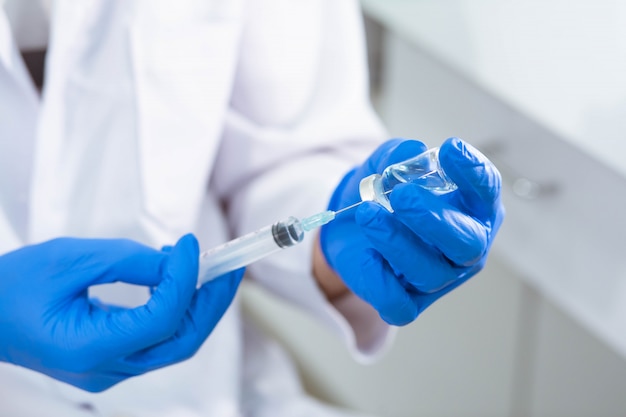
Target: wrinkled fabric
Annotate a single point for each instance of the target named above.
(161, 118)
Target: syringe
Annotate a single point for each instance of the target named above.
(256, 245)
(423, 169)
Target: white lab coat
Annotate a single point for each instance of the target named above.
(163, 117)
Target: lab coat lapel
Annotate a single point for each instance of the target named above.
(133, 109)
(184, 56)
(6, 41)
(84, 125)
(18, 118)
(12, 62)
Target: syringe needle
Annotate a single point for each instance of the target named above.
(356, 204)
(348, 208)
(320, 219)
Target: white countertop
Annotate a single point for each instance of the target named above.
(561, 62)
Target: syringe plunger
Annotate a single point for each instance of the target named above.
(249, 248)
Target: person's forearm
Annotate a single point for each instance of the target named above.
(328, 281)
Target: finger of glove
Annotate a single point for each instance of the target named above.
(378, 285)
(478, 179)
(90, 381)
(372, 163)
(460, 237)
(423, 301)
(100, 261)
(389, 152)
(208, 305)
(392, 152)
(130, 330)
(421, 265)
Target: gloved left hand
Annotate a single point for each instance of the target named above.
(49, 324)
(402, 262)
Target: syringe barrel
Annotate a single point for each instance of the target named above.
(249, 248)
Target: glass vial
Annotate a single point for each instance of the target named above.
(423, 170)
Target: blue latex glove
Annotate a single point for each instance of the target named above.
(49, 324)
(402, 262)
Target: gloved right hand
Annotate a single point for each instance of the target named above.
(402, 262)
(49, 324)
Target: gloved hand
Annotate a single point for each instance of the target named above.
(49, 324)
(402, 262)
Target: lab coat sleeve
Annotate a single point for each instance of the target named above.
(299, 119)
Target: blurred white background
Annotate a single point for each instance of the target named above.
(541, 332)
